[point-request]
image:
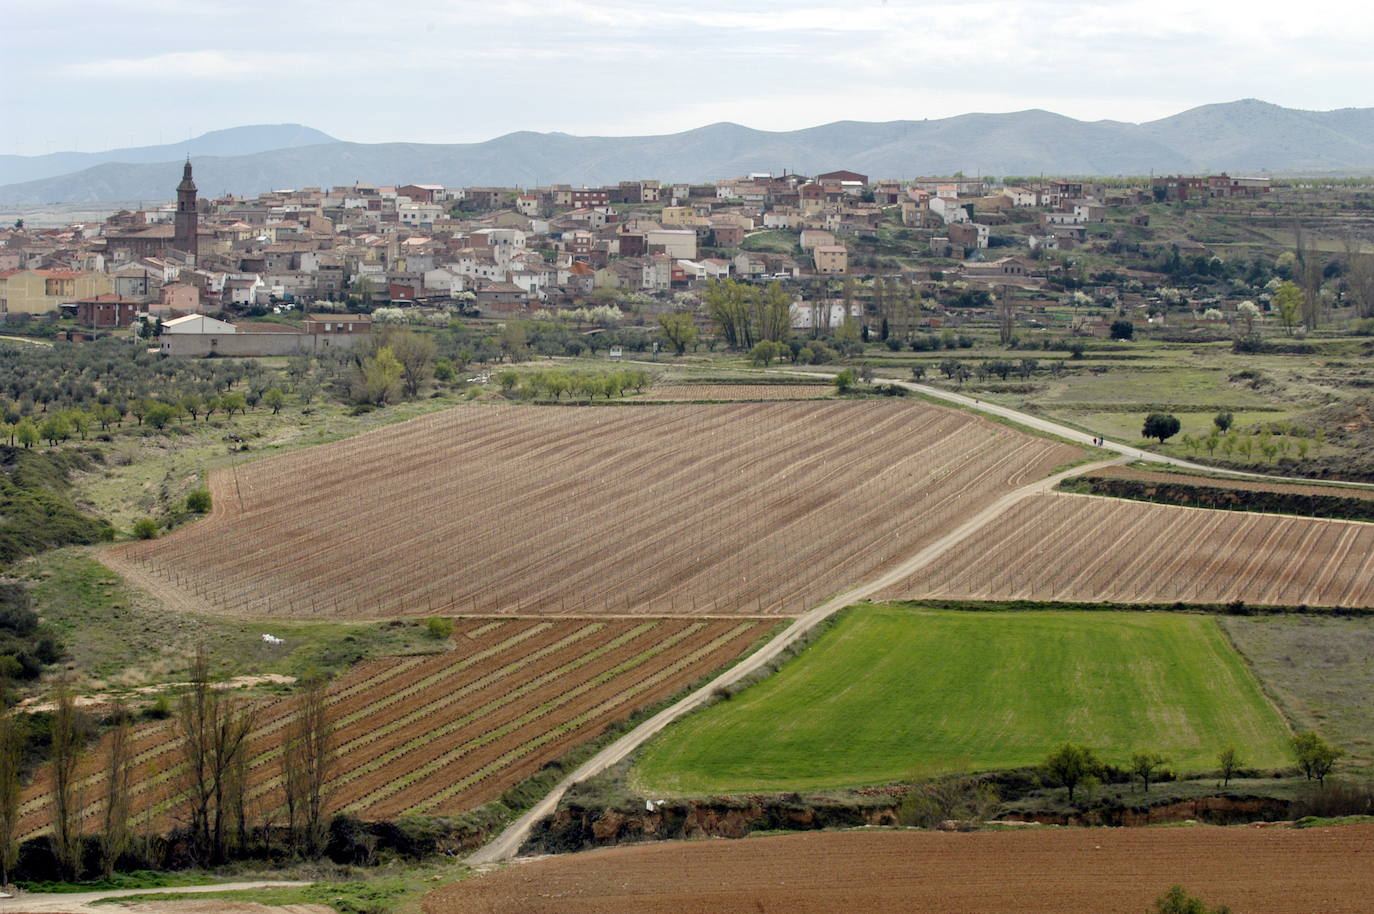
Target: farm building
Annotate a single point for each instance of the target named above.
(198, 335)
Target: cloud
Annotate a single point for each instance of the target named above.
(207, 65)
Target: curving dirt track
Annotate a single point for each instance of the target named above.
(749, 508)
(1069, 871)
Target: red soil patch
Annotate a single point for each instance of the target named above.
(1092, 871)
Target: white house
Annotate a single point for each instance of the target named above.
(948, 209)
(1021, 196)
(196, 323)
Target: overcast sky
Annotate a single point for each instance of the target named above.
(95, 75)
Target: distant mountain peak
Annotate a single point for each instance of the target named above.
(1238, 136)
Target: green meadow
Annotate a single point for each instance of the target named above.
(892, 692)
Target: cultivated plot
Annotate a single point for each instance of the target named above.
(691, 509)
(440, 734)
(1091, 549)
(892, 692)
(1068, 871)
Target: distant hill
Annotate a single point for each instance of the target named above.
(235, 141)
(1241, 136)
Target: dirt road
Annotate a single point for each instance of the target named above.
(83, 902)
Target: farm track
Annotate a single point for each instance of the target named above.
(442, 733)
(531, 510)
(1091, 549)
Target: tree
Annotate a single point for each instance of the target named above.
(13, 738)
(1288, 303)
(379, 378)
(844, 381)
(1161, 426)
(765, 351)
(198, 501)
(1145, 764)
(1315, 756)
(415, 352)
(214, 735)
(1228, 764)
(728, 308)
(307, 759)
(68, 741)
(1223, 421)
(274, 399)
(159, 415)
(26, 433)
(115, 834)
(1177, 901)
(54, 429)
(679, 329)
(1359, 282)
(1123, 330)
(192, 404)
(513, 341)
(1070, 764)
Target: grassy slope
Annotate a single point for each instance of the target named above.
(890, 692)
(1320, 671)
(117, 636)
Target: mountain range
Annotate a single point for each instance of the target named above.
(1239, 137)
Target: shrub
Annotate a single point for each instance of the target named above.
(439, 627)
(145, 528)
(1177, 901)
(845, 381)
(198, 501)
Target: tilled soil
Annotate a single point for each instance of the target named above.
(1092, 871)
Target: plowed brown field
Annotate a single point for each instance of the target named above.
(444, 733)
(1085, 548)
(1073, 871)
(713, 509)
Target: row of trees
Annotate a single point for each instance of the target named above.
(554, 383)
(211, 802)
(1072, 765)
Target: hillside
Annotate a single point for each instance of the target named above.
(234, 141)
(1238, 136)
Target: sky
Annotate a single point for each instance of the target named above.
(89, 75)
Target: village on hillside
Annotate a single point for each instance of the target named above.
(236, 276)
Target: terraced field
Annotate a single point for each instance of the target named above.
(752, 508)
(1091, 549)
(444, 733)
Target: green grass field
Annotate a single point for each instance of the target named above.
(893, 692)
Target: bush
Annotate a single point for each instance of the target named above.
(845, 381)
(439, 627)
(1177, 901)
(145, 528)
(198, 501)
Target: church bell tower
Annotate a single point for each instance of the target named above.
(187, 219)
